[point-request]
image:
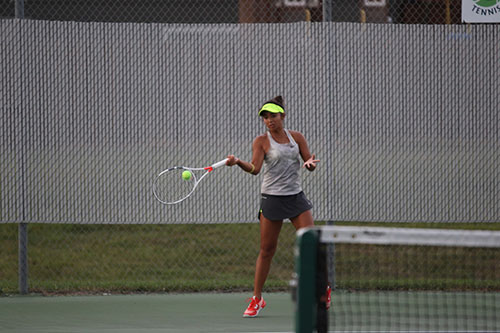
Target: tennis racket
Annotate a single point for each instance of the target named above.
(176, 184)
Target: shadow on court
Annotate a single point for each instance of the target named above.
(144, 313)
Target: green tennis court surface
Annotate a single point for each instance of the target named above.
(223, 313)
(144, 313)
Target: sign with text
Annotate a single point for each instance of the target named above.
(481, 11)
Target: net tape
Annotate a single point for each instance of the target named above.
(410, 236)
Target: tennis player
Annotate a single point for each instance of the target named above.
(279, 152)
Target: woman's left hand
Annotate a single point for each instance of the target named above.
(310, 164)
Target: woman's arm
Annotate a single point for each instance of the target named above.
(308, 158)
(258, 153)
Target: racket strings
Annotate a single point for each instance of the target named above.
(171, 187)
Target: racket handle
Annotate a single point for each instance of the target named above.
(220, 163)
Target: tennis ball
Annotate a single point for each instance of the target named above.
(186, 175)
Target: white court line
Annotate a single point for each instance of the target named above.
(453, 331)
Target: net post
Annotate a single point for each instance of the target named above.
(321, 276)
(306, 246)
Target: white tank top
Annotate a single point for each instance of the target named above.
(281, 168)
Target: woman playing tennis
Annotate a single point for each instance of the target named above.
(278, 151)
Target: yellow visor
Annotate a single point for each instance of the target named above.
(271, 107)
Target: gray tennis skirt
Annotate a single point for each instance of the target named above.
(280, 207)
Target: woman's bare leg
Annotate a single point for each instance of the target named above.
(304, 220)
(269, 233)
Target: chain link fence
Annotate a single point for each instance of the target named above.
(403, 117)
(121, 258)
(238, 11)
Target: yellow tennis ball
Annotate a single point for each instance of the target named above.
(186, 175)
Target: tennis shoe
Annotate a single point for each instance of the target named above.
(255, 306)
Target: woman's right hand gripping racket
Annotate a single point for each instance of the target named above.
(176, 184)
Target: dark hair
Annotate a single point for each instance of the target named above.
(277, 100)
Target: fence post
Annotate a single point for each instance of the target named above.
(331, 260)
(327, 11)
(20, 9)
(23, 226)
(23, 258)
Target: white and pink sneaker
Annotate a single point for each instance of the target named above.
(254, 307)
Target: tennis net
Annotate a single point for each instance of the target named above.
(397, 280)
